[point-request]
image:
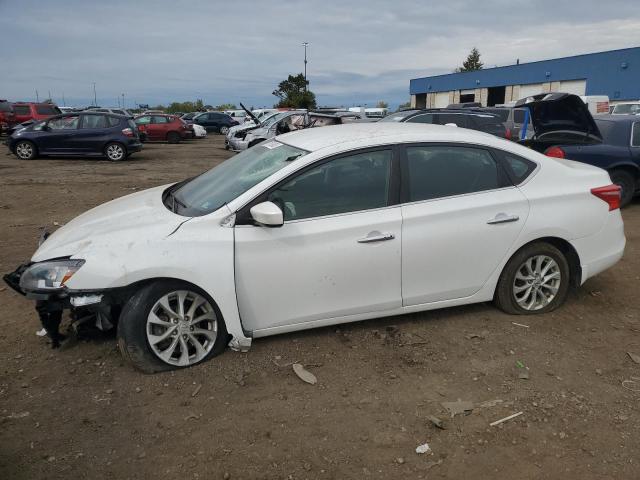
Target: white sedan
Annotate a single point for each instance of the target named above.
(326, 226)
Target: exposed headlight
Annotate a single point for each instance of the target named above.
(50, 275)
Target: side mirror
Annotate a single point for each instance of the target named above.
(267, 214)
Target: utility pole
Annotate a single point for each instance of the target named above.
(95, 98)
(37, 97)
(123, 100)
(63, 102)
(305, 45)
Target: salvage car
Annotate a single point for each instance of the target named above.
(163, 127)
(87, 134)
(564, 128)
(326, 226)
(25, 111)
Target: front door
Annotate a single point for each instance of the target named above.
(460, 218)
(338, 252)
(57, 136)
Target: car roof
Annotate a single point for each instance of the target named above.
(618, 118)
(312, 139)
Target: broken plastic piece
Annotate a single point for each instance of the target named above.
(304, 375)
(424, 448)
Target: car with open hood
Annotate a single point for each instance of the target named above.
(564, 128)
(325, 226)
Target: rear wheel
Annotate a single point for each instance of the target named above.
(173, 137)
(535, 280)
(26, 150)
(627, 184)
(115, 151)
(168, 325)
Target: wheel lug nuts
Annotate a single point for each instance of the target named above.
(175, 320)
(184, 337)
(174, 333)
(191, 328)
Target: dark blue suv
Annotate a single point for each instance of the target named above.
(84, 133)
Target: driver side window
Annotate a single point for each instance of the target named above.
(347, 184)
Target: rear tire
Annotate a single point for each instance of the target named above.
(626, 182)
(26, 150)
(173, 137)
(115, 152)
(145, 320)
(535, 280)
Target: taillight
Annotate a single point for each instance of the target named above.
(127, 132)
(555, 152)
(609, 194)
(507, 133)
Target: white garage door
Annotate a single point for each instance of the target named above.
(528, 90)
(441, 100)
(577, 87)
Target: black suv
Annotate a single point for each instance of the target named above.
(464, 117)
(215, 122)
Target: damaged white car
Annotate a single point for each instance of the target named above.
(326, 226)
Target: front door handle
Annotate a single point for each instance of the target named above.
(376, 237)
(503, 218)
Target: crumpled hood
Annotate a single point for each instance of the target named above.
(135, 218)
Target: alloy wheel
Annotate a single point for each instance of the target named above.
(24, 150)
(224, 130)
(115, 152)
(182, 327)
(537, 282)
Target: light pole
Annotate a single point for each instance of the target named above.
(305, 45)
(123, 100)
(95, 100)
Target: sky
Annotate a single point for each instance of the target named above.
(360, 51)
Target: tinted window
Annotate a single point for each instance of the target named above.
(94, 121)
(399, 116)
(47, 110)
(635, 135)
(159, 119)
(347, 184)
(143, 120)
(443, 171)
(425, 118)
(5, 107)
(119, 112)
(519, 167)
(22, 110)
(113, 121)
(64, 123)
(502, 113)
(459, 120)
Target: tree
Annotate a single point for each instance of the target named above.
(382, 104)
(404, 106)
(226, 106)
(472, 63)
(294, 93)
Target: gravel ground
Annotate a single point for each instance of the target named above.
(82, 413)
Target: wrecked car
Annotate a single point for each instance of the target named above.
(326, 226)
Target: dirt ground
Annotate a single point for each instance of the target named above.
(82, 413)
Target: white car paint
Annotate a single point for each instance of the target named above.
(199, 131)
(314, 272)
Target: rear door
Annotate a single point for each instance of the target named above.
(158, 127)
(93, 134)
(460, 216)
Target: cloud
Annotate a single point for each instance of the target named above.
(360, 51)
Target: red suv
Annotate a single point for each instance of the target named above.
(34, 111)
(163, 127)
(7, 117)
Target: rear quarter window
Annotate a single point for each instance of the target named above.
(517, 167)
(5, 107)
(47, 110)
(113, 121)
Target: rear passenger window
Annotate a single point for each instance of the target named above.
(459, 120)
(159, 119)
(113, 121)
(426, 118)
(94, 121)
(444, 171)
(635, 135)
(21, 110)
(519, 168)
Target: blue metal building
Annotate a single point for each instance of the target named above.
(615, 73)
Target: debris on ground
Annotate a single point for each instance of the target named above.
(196, 391)
(459, 407)
(632, 385)
(523, 374)
(437, 422)
(424, 448)
(505, 419)
(304, 375)
(595, 293)
(634, 357)
(520, 325)
(490, 403)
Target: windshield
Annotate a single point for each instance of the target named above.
(399, 116)
(274, 119)
(627, 108)
(264, 119)
(211, 190)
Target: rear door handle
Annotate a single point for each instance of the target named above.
(376, 237)
(503, 218)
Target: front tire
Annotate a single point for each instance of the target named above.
(26, 150)
(173, 137)
(535, 280)
(627, 184)
(224, 130)
(115, 152)
(168, 325)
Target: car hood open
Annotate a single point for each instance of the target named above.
(560, 112)
(125, 221)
